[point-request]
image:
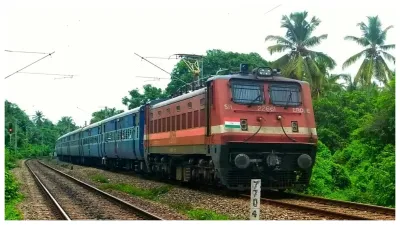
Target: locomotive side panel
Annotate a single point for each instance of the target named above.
(176, 134)
(177, 129)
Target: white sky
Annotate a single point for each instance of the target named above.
(97, 41)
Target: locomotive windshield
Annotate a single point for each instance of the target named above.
(247, 92)
(285, 94)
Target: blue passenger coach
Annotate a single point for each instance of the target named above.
(115, 141)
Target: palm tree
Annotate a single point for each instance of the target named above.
(66, 124)
(300, 62)
(331, 84)
(38, 118)
(374, 66)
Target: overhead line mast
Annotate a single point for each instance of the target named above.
(193, 62)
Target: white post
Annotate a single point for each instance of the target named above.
(255, 199)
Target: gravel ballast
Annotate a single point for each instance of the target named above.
(234, 208)
(34, 205)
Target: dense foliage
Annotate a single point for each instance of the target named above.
(11, 190)
(356, 152)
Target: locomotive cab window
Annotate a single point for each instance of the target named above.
(247, 93)
(285, 94)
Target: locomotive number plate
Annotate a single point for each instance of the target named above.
(266, 108)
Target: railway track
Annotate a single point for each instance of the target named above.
(331, 208)
(60, 211)
(321, 207)
(79, 200)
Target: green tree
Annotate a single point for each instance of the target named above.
(66, 124)
(214, 61)
(136, 99)
(104, 113)
(299, 62)
(24, 125)
(373, 40)
(38, 118)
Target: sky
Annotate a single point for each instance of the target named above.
(96, 41)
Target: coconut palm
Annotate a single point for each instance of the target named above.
(373, 66)
(38, 118)
(331, 82)
(300, 62)
(66, 124)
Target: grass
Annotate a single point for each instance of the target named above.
(152, 194)
(155, 193)
(197, 214)
(12, 197)
(11, 211)
(99, 178)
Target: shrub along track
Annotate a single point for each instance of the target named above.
(329, 207)
(82, 201)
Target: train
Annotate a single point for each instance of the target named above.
(230, 129)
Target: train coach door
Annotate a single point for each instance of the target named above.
(103, 141)
(135, 144)
(119, 143)
(80, 147)
(115, 138)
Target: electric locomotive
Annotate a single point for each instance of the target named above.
(238, 127)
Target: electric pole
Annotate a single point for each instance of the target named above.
(15, 145)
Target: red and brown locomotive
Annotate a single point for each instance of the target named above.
(237, 127)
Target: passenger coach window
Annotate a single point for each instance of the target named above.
(247, 92)
(284, 94)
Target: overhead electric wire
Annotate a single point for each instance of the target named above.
(273, 9)
(51, 74)
(150, 57)
(161, 69)
(154, 77)
(29, 65)
(26, 52)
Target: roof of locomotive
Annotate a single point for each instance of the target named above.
(179, 98)
(250, 76)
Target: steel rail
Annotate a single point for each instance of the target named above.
(352, 205)
(94, 189)
(53, 200)
(311, 209)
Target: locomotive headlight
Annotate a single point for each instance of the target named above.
(264, 71)
(242, 161)
(304, 161)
